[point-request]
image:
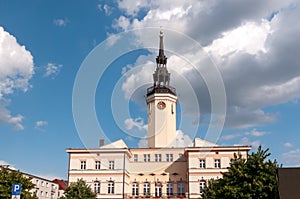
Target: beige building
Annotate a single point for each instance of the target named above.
(160, 171)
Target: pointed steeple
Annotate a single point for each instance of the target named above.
(161, 76)
(161, 58)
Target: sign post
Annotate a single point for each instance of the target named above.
(16, 191)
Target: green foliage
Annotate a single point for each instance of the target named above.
(9, 177)
(79, 190)
(247, 179)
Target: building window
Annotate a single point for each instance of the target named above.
(111, 187)
(157, 157)
(47, 195)
(158, 187)
(169, 157)
(97, 187)
(135, 158)
(47, 184)
(202, 186)
(42, 193)
(180, 156)
(83, 165)
(217, 164)
(135, 189)
(202, 164)
(146, 189)
(180, 189)
(97, 165)
(111, 165)
(169, 189)
(146, 157)
(42, 183)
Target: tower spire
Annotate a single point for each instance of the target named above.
(161, 75)
(161, 58)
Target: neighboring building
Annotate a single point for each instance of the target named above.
(62, 186)
(288, 182)
(44, 189)
(162, 170)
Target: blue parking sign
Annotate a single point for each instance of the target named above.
(16, 189)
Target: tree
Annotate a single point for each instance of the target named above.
(252, 178)
(8, 177)
(79, 190)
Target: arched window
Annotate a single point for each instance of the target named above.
(97, 187)
(202, 185)
(135, 189)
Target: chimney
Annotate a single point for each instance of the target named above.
(101, 142)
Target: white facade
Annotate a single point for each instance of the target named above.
(143, 172)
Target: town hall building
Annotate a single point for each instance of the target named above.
(162, 170)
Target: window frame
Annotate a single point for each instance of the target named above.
(111, 187)
(97, 187)
(83, 165)
(111, 165)
(135, 189)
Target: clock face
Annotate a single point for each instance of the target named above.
(161, 105)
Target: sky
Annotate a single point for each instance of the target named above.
(74, 72)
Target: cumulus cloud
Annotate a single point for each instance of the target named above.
(250, 45)
(52, 70)
(130, 123)
(183, 140)
(61, 22)
(16, 70)
(108, 10)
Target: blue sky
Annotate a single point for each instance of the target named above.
(50, 50)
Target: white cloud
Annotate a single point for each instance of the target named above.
(16, 69)
(52, 70)
(183, 140)
(130, 123)
(246, 141)
(41, 123)
(288, 144)
(143, 143)
(108, 10)
(253, 133)
(249, 38)
(61, 22)
(248, 46)
(291, 158)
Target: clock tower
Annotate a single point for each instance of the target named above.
(161, 100)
